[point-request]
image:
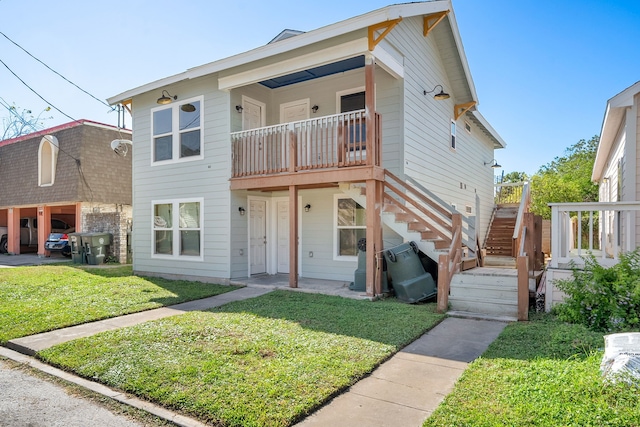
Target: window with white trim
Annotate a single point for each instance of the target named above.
(177, 131)
(177, 228)
(47, 160)
(350, 226)
(453, 135)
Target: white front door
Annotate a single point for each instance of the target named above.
(282, 225)
(258, 236)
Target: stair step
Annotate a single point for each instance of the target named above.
(484, 307)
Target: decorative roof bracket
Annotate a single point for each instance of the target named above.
(387, 25)
(431, 20)
(460, 109)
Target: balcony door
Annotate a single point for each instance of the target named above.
(294, 111)
(253, 113)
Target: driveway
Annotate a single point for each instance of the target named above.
(7, 261)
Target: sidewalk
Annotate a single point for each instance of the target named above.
(403, 391)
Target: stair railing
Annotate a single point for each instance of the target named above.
(449, 264)
(522, 266)
(522, 209)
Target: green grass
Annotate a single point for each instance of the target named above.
(43, 298)
(539, 373)
(267, 361)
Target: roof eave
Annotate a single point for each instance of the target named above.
(314, 36)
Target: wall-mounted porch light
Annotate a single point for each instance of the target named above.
(494, 164)
(307, 208)
(239, 108)
(315, 108)
(241, 210)
(440, 95)
(166, 99)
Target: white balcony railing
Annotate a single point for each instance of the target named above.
(604, 229)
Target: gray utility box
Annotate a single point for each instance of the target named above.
(96, 247)
(411, 283)
(359, 283)
(77, 250)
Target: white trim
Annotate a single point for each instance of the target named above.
(175, 132)
(342, 93)
(388, 63)
(334, 228)
(299, 63)
(176, 229)
(53, 143)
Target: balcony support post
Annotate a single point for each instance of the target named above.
(293, 236)
(374, 237)
(370, 109)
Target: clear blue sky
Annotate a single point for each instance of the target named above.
(543, 70)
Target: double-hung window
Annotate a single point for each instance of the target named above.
(177, 229)
(177, 131)
(350, 226)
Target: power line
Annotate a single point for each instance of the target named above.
(37, 94)
(54, 71)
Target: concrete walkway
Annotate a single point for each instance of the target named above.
(407, 388)
(403, 391)
(31, 344)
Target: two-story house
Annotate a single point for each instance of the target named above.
(280, 159)
(67, 173)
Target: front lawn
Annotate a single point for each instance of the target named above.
(43, 298)
(266, 361)
(539, 373)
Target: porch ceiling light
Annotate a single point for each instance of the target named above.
(440, 95)
(166, 99)
(494, 164)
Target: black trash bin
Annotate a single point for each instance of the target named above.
(410, 282)
(77, 249)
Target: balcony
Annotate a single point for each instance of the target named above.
(324, 144)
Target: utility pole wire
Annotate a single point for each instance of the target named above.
(54, 71)
(37, 94)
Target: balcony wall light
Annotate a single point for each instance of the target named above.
(307, 208)
(440, 95)
(166, 98)
(315, 108)
(494, 164)
(241, 210)
(239, 108)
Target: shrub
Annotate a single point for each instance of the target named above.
(603, 299)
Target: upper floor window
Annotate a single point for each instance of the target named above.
(177, 131)
(453, 135)
(47, 160)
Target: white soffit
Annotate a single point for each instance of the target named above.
(300, 63)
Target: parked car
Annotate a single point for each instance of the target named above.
(58, 242)
(29, 232)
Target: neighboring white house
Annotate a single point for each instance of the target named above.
(247, 165)
(614, 228)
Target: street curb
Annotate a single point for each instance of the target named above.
(103, 390)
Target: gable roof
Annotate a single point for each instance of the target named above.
(447, 38)
(614, 114)
(59, 128)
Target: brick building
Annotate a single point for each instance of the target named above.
(68, 172)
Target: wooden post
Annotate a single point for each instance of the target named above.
(374, 237)
(529, 243)
(78, 217)
(443, 283)
(369, 112)
(523, 288)
(293, 152)
(13, 231)
(293, 236)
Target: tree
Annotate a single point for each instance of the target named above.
(508, 193)
(21, 121)
(566, 179)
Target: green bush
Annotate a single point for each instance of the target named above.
(603, 299)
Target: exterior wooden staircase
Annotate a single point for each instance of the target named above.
(499, 240)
